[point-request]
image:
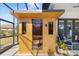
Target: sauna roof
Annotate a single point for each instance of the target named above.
(38, 14)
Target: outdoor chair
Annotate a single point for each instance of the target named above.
(66, 40)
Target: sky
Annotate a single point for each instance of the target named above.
(5, 12)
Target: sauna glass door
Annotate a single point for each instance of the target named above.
(36, 34)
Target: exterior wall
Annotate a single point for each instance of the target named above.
(49, 41)
(70, 12)
(23, 39)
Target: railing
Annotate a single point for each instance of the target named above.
(7, 37)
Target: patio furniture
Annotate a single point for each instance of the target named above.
(66, 40)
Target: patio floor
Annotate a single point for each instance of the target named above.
(11, 52)
(14, 52)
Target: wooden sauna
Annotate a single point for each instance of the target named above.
(37, 31)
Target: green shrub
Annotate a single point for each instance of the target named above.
(62, 45)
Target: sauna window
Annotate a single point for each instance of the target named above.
(23, 27)
(50, 27)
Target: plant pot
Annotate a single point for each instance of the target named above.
(60, 50)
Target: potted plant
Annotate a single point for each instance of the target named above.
(63, 48)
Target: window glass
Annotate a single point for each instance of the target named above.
(37, 42)
(61, 27)
(23, 27)
(76, 32)
(50, 25)
(69, 30)
(6, 34)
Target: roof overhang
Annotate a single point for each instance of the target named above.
(38, 14)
